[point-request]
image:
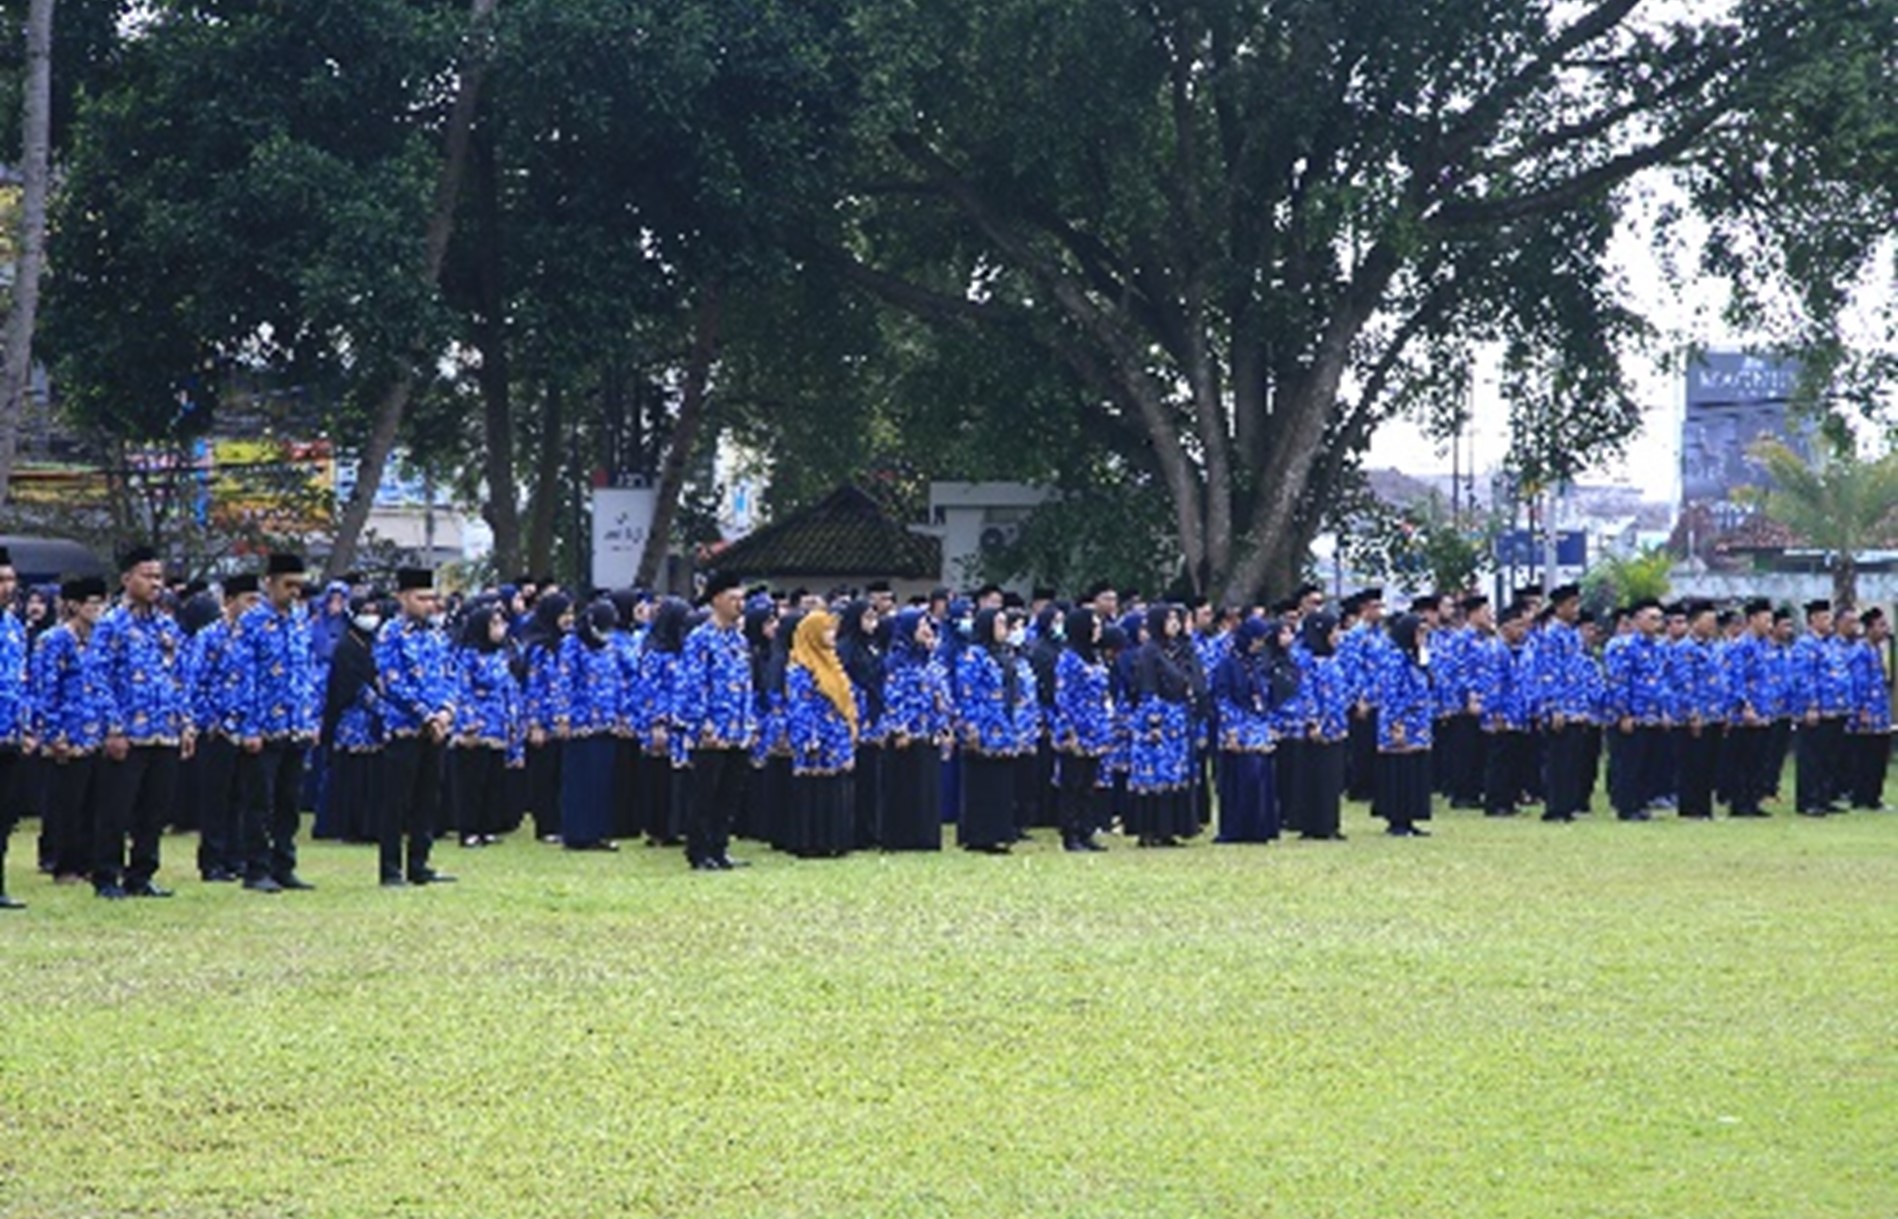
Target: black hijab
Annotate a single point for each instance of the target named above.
(474, 626)
(861, 657)
(773, 682)
(1404, 633)
(352, 667)
(999, 651)
(1159, 668)
(543, 628)
(1079, 625)
(669, 626)
(597, 625)
(1315, 634)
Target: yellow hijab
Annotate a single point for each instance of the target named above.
(809, 649)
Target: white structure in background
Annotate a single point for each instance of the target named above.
(622, 520)
(416, 516)
(740, 474)
(972, 518)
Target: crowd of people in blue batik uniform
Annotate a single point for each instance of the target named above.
(822, 725)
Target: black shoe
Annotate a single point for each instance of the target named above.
(11, 903)
(220, 876)
(263, 884)
(706, 865)
(1559, 818)
(601, 845)
(148, 889)
(472, 840)
(727, 864)
(1085, 845)
(430, 876)
(1416, 832)
(293, 881)
(394, 882)
(111, 892)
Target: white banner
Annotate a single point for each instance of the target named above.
(622, 518)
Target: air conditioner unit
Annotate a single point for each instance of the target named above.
(1000, 535)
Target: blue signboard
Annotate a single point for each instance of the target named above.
(1523, 548)
(1734, 399)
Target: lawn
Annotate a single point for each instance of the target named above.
(1671, 1019)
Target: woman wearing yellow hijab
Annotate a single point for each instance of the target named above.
(821, 722)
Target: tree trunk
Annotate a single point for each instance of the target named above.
(502, 509)
(685, 434)
(544, 508)
(16, 359)
(1845, 582)
(441, 227)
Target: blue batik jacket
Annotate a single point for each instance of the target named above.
(67, 699)
(1871, 697)
(1084, 720)
(819, 735)
(1506, 682)
(915, 696)
(1636, 679)
(587, 698)
(272, 651)
(142, 654)
(1697, 687)
(214, 681)
(488, 701)
(418, 680)
(1403, 697)
(712, 704)
(13, 704)
(985, 722)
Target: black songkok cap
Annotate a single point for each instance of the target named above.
(1528, 590)
(1566, 592)
(412, 579)
(1782, 614)
(82, 589)
(246, 583)
(6, 557)
(1758, 605)
(285, 565)
(721, 582)
(1695, 608)
(1368, 595)
(1472, 603)
(1874, 614)
(138, 554)
(1645, 603)
(1821, 606)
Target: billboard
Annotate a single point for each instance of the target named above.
(1733, 399)
(622, 519)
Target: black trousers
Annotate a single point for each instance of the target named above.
(411, 795)
(1462, 758)
(1360, 771)
(71, 812)
(1780, 743)
(9, 805)
(717, 789)
(133, 799)
(1630, 766)
(1079, 772)
(1570, 776)
(219, 802)
(1508, 759)
(268, 834)
(1816, 784)
(1748, 756)
(1311, 784)
(1868, 758)
(543, 788)
(1699, 759)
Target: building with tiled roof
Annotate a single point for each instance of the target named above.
(843, 539)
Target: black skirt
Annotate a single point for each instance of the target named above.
(626, 822)
(652, 799)
(351, 794)
(869, 794)
(543, 788)
(586, 790)
(912, 799)
(1403, 787)
(823, 819)
(988, 801)
(1311, 785)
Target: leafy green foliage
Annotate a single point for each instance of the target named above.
(1839, 503)
(1625, 579)
(1368, 1029)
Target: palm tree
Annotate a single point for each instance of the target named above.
(1838, 503)
(1625, 579)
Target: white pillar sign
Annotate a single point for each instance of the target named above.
(622, 519)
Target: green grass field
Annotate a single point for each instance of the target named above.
(1672, 1019)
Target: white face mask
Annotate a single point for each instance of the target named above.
(368, 624)
(1423, 656)
(1016, 636)
(965, 625)
(438, 620)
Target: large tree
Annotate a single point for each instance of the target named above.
(1256, 230)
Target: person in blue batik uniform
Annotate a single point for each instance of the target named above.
(821, 713)
(1505, 687)
(1159, 781)
(763, 801)
(488, 725)
(1315, 724)
(1083, 729)
(215, 688)
(67, 712)
(148, 732)
(352, 728)
(418, 710)
(1748, 675)
(1637, 708)
(995, 716)
(1460, 739)
(1702, 703)
(916, 722)
(1405, 719)
(715, 721)
(277, 725)
(649, 718)
(1869, 741)
(1254, 682)
(541, 641)
(1360, 655)
(1560, 668)
(1822, 700)
(862, 655)
(13, 717)
(587, 702)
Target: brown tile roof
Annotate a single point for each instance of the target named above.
(843, 534)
